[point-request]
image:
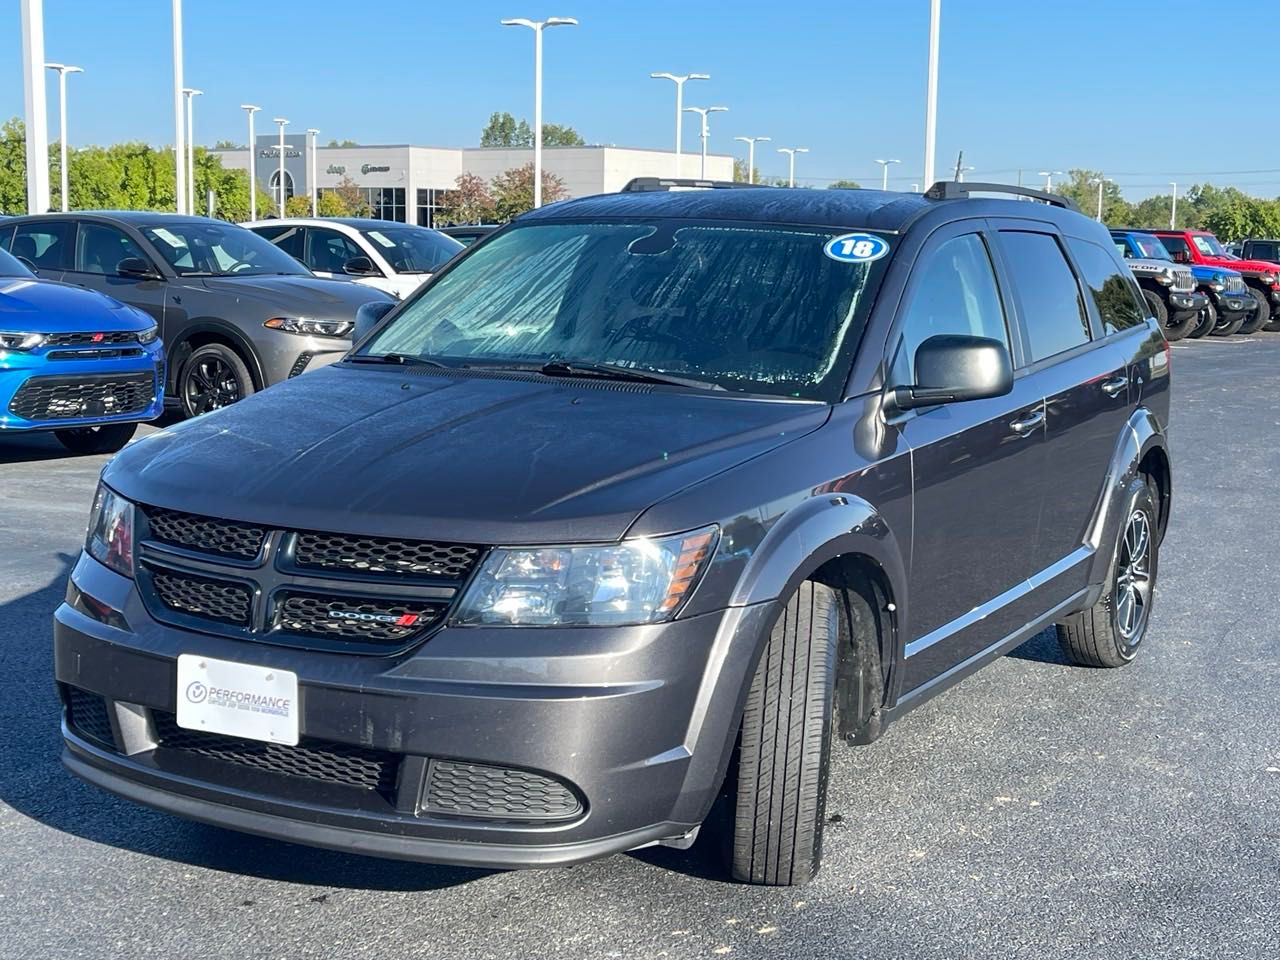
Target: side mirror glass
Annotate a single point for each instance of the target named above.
(136, 267)
(1180, 257)
(952, 368)
(368, 316)
(361, 267)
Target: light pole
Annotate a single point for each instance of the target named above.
(250, 110)
(537, 26)
(179, 133)
(961, 171)
(63, 69)
(311, 174)
(915, 188)
(1101, 182)
(283, 123)
(1173, 210)
(703, 112)
(791, 156)
(751, 155)
(1048, 178)
(679, 81)
(34, 106)
(931, 96)
(191, 93)
(884, 172)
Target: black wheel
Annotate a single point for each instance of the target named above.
(1226, 328)
(1208, 320)
(1159, 311)
(785, 745)
(1266, 317)
(1180, 324)
(213, 377)
(1109, 633)
(1254, 321)
(108, 438)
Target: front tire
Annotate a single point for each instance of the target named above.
(86, 441)
(213, 377)
(1226, 328)
(785, 745)
(1160, 312)
(1254, 321)
(1209, 321)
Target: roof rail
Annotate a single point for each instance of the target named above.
(958, 190)
(651, 184)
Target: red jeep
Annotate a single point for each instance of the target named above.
(1202, 247)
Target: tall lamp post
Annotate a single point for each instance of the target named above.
(931, 96)
(791, 159)
(250, 109)
(179, 131)
(1173, 210)
(63, 69)
(191, 93)
(704, 112)
(1048, 178)
(311, 173)
(884, 172)
(1101, 182)
(679, 81)
(280, 175)
(35, 106)
(537, 27)
(751, 154)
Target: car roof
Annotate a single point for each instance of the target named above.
(133, 217)
(355, 223)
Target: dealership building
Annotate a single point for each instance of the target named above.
(408, 183)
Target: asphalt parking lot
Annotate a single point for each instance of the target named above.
(1038, 810)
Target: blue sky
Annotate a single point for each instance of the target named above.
(1023, 85)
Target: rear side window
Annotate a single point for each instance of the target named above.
(1176, 245)
(288, 239)
(101, 248)
(1262, 251)
(47, 245)
(1053, 309)
(328, 251)
(1113, 293)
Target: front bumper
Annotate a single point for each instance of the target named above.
(1192, 302)
(1234, 303)
(18, 369)
(639, 722)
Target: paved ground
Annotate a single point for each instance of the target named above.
(1038, 810)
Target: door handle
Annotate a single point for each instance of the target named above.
(1114, 386)
(1026, 425)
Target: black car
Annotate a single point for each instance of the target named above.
(648, 500)
(236, 313)
(469, 234)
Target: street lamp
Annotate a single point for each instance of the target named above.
(679, 81)
(1101, 182)
(283, 123)
(961, 171)
(1173, 210)
(191, 94)
(884, 172)
(931, 95)
(63, 69)
(179, 133)
(537, 26)
(703, 112)
(791, 155)
(751, 155)
(1048, 178)
(311, 176)
(250, 110)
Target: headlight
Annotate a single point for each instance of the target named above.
(20, 341)
(1268, 278)
(1165, 275)
(311, 328)
(110, 537)
(635, 581)
(1219, 283)
(149, 335)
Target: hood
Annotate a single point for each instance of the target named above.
(1244, 266)
(43, 306)
(310, 296)
(1202, 271)
(441, 455)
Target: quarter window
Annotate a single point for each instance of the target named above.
(1113, 292)
(101, 248)
(1053, 310)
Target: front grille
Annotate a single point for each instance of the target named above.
(58, 398)
(89, 339)
(365, 619)
(1236, 285)
(222, 600)
(497, 793)
(87, 716)
(1183, 280)
(409, 558)
(311, 759)
(226, 538)
(117, 353)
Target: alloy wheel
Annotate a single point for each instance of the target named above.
(1132, 598)
(210, 384)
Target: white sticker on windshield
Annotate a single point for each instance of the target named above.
(856, 248)
(382, 238)
(168, 237)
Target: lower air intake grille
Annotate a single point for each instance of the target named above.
(226, 538)
(497, 793)
(367, 619)
(221, 600)
(87, 716)
(59, 398)
(337, 763)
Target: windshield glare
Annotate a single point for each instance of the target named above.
(10, 266)
(199, 249)
(412, 249)
(750, 308)
(1209, 246)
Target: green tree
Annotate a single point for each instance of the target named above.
(513, 191)
(298, 206)
(329, 204)
(1243, 216)
(740, 173)
(13, 167)
(342, 143)
(844, 185)
(229, 145)
(503, 131)
(555, 135)
(352, 198)
(1115, 209)
(468, 202)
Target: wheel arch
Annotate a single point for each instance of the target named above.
(212, 330)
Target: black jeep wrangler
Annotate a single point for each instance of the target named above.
(645, 500)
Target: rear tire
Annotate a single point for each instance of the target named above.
(1207, 324)
(1254, 321)
(785, 745)
(108, 438)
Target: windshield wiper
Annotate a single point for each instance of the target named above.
(401, 358)
(610, 371)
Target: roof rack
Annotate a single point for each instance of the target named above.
(652, 184)
(959, 190)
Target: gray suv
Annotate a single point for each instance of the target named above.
(236, 313)
(621, 523)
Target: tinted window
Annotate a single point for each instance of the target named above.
(100, 249)
(328, 251)
(1112, 291)
(1053, 310)
(412, 249)
(47, 245)
(288, 239)
(1176, 245)
(1262, 251)
(955, 293)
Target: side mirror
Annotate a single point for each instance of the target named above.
(952, 368)
(136, 267)
(29, 265)
(368, 317)
(1180, 257)
(361, 267)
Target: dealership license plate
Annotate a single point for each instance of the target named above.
(237, 699)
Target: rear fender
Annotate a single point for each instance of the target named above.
(1140, 435)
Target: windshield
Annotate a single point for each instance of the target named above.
(1208, 245)
(746, 307)
(11, 267)
(412, 249)
(1150, 247)
(197, 248)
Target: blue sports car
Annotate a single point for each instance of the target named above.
(75, 362)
